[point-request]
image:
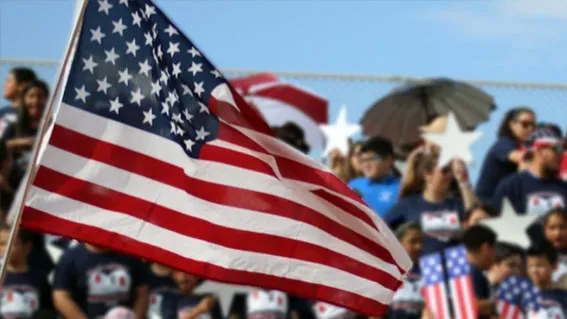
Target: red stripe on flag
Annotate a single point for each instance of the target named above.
(166, 173)
(151, 212)
(36, 220)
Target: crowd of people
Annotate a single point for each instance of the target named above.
(429, 208)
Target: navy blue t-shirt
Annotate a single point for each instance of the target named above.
(408, 301)
(481, 285)
(530, 194)
(23, 294)
(163, 297)
(440, 222)
(99, 281)
(380, 195)
(186, 303)
(554, 303)
(495, 167)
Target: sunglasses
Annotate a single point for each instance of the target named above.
(527, 124)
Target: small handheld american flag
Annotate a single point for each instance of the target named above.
(517, 298)
(435, 288)
(153, 153)
(460, 283)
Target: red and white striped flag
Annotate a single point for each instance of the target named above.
(434, 286)
(460, 282)
(154, 154)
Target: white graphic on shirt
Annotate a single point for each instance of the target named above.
(264, 304)
(554, 312)
(408, 297)
(185, 311)
(154, 308)
(18, 301)
(541, 203)
(442, 225)
(324, 310)
(109, 283)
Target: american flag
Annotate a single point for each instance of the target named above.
(517, 298)
(435, 289)
(154, 154)
(460, 283)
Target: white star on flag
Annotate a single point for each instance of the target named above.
(454, 143)
(97, 35)
(338, 134)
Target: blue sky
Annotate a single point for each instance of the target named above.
(496, 40)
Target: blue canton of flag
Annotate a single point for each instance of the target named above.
(457, 264)
(143, 73)
(517, 297)
(432, 269)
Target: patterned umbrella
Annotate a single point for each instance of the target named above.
(399, 115)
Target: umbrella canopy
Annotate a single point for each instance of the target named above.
(281, 102)
(399, 115)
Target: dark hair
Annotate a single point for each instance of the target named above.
(543, 249)
(403, 229)
(478, 235)
(557, 211)
(506, 250)
(293, 135)
(44, 314)
(483, 206)
(23, 125)
(23, 75)
(379, 145)
(512, 114)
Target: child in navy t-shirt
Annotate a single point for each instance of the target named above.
(480, 242)
(555, 231)
(508, 261)
(190, 305)
(89, 281)
(163, 293)
(25, 290)
(408, 302)
(541, 260)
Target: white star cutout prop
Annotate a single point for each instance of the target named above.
(339, 133)
(454, 143)
(510, 226)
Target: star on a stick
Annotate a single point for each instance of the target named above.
(339, 133)
(510, 226)
(454, 143)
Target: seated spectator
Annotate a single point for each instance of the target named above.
(15, 82)
(542, 260)
(90, 280)
(425, 199)
(408, 302)
(190, 305)
(536, 190)
(508, 261)
(20, 135)
(555, 232)
(26, 290)
(379, 186)
(504, 155)
(480, 242)
(476, 213)
(163, 293)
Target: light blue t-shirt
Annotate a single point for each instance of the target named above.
(380, 195)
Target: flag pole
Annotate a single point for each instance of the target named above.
(45, 124)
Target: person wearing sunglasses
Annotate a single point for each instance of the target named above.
(504, 156)
(426, 198)
(537, 189)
